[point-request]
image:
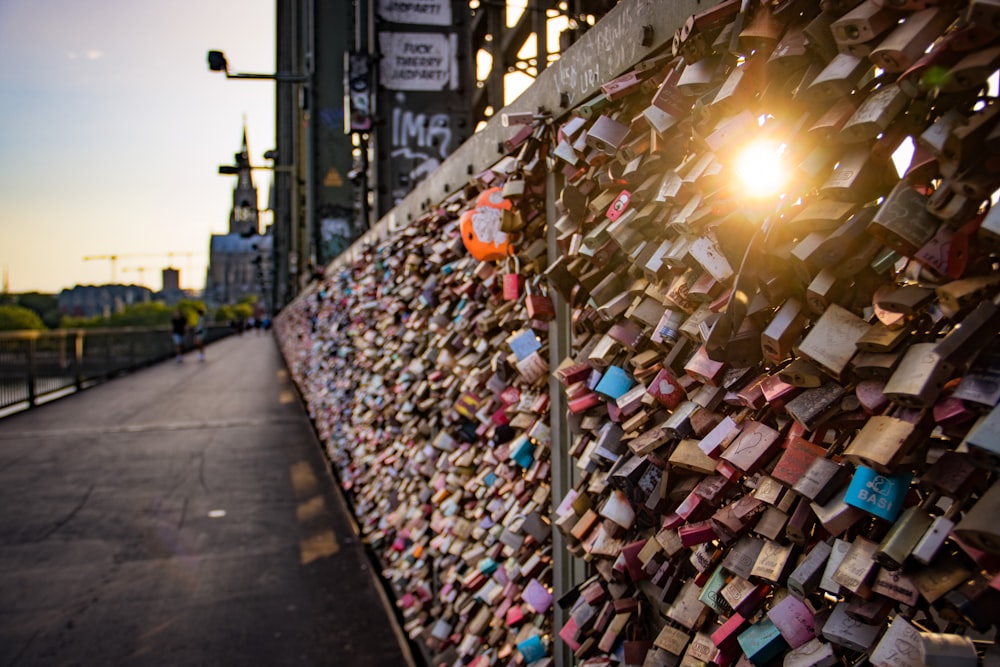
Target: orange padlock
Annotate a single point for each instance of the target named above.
(480, 227)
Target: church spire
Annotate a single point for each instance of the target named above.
(244, 217)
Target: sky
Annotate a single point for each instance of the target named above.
(112, 129)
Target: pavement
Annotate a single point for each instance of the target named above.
(183, 515)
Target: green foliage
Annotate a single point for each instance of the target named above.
(190, 309)
(244, 311)
(17, 318)
(225, 314)
(46, 306)
(148, 314)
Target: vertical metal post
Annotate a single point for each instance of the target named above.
(32, 370)
(565, 568)
(78, 358)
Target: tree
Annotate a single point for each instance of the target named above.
(150, 314)
(46, 306)
(17, 318)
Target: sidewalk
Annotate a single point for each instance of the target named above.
(182, 515)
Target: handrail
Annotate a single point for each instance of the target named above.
(37, 364)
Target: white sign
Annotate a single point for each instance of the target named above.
(418, 61)
(424, 12)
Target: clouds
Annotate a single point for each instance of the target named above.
(87, 54)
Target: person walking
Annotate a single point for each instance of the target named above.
(178, 326)
(200, 328)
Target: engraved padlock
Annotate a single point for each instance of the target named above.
(902, 222)
(858, 565)
(882, 442)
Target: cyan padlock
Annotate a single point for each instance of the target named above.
(522, 452)
(762, 642)
(878, 494)
(614, 383)
(532, 649)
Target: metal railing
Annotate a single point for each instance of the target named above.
(39, 364)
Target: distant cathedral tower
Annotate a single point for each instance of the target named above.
(243, 219)
(239, 262)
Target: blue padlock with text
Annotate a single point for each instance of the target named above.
(878, 494)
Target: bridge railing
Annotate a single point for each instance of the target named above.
(39, 364)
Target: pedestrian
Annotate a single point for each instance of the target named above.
(199, 334)
(178, 328)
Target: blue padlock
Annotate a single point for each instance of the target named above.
(878, 494)
(522, 344)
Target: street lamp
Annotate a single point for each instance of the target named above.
(217, 63)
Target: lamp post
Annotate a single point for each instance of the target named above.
(217, 63)
(294, 219)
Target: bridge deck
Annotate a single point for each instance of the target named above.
(182, 515)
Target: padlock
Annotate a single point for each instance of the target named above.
(977, 528)
(762, 642)
(538, 303)
(918, 380)
(825, 289)
(878, 494)
(864, 23)
(859, 177)
(836, 515)
(875, 114)
(947, 650)
(839, 78)
(902, 222)
(822, 480)
(967, 140)
(882, 442)
(753, 447)
(905, 534)
(971, 71)
(606, 135)
(832, 340)
(845, 631)
(805, 578)
(857, 567)
(794, 620)
(899, 646)
(904, 45)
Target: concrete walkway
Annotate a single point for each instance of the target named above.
(182, 516)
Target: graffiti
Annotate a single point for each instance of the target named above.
(336, 231)
(417, 130)
(420, 142)
(332, 118)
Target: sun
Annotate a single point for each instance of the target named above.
(761, 168)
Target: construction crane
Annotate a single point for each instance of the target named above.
(141, 270)
(115, 257)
